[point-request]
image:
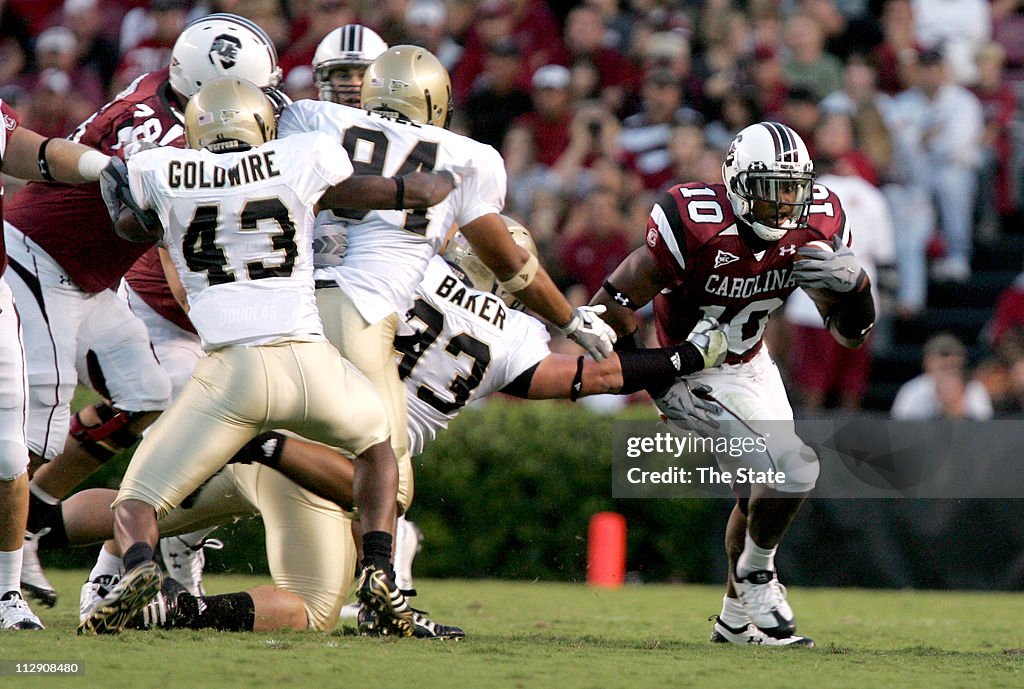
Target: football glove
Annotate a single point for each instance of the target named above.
(330, 242)
(838, 270)
(586, 329)
(117, 196)
(690, 408)
(711, 340)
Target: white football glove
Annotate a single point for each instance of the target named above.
(711, 340)
(690, 408)
(837, 270)
(586, 329)
(330, 241)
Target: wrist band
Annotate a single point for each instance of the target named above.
(44, 167)
(523, 277)
(399, 193)
(577, 381)
(620, 297)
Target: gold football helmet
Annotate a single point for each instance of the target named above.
(228, 113)
(460, 252)
(409, 80)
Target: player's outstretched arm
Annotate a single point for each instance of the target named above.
(635, 282)
(369, 192)
(31, 156)
(521, 274)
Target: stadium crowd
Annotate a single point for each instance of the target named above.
(597, 106)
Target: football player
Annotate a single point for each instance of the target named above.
(27, 155)
(340, 61)
(406, 100)
(235, 211)
(62, 280)
(735, 252)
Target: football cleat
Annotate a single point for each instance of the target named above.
(33, 581)
(15, 613)
(722, 633)
(378, 592)
(165, 610)
(764, 599)
(422, 626)
(126, 600)
(185, 562)
(93, 592)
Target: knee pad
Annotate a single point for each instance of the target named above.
(800, 465)
(109, 436)
(13, 460)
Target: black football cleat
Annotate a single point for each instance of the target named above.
(379, 594)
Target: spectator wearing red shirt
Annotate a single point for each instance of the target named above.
(584, 42)
(498, 98)
(58, 49)
(154, 52)
(540, 137)
(834, 140)
(898, 50)
(322, 17)
(598, 242)
(999, 106)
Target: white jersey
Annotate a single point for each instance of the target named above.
(238, 226)
(388, 250)
(467, 345)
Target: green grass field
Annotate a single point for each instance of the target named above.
(566, 636)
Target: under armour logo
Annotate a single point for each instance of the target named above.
(621, 298)
(787, 250)
(65, 280)
(224, 51)
(725, 258)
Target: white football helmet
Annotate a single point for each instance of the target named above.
(220, 45)
(352, 45)
(768, 162)
(460, 252)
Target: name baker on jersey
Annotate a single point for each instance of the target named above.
(737, 287)
(194, 174)
(487, 307)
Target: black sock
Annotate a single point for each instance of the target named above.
(377, 549)
(139, 553)
(57, 537)
(40, 513)
(263, 449)
(231, 612)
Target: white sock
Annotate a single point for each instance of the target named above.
(406, 545)
(10, 571)
(106, 564)
(754, 558)
(733, 614)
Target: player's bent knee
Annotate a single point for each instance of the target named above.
(801, 468)
(13, 460)
(320, 616)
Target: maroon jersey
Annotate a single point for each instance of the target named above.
(9, 124)
(69, 221)
(692, 235)
(147, 278)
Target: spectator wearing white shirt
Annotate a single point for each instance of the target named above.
(961, 26)
(943, 390)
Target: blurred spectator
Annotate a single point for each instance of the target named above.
(739, 109)
(769, 80)
(593, 139)
(618, 24)
(942, 391)
(299, 83)
(57, 49)
(541, 136)
(498, 96)
(834, 141)
(807, 63)
(321, 17)
(801, 111)
(1008, 317)
(821, 366)
(425, 22)
(961, 27)
(685, 149)
(952, 133)
(845, 34)
(668, 51)
(645, 136)
(52, 111)
(584, 41)
(596, 240)
(154, 52)
(268, 14)
(15, 51)
(36, 13)
(95, 50)
(898, 50)
(861, 100)
(999, 106)
(727, 44)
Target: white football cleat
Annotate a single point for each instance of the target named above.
(93, 592)
(184, 562)
(15, 613)
(722, 633)
(33, 581)
(764, 599)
